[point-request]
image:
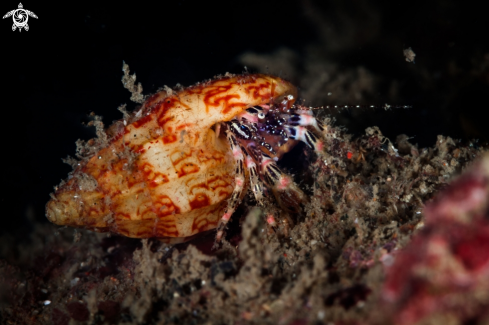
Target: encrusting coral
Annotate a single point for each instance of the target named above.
(443, 273)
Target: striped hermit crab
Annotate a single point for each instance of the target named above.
(181, 163)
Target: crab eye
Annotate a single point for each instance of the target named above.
(261, 115)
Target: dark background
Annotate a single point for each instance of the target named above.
(69, 64)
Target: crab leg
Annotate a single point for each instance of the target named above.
(286, 191)
(252, 114)
(306, 120)
(303, 134)
(256, 185)
(239, 180)
(240, 130)
(273, 174)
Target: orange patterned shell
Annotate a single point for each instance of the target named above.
(165, 174)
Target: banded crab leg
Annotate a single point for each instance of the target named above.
(239, 180)
(273, 174)
(254, 154)
(255, 183)
(305, 119)
(286, 191)
(301, 133)
(246, 132)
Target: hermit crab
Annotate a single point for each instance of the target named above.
(181, 163)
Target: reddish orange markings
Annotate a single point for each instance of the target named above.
(164, 206)
(164, 230)
(224, 193)
(224, 102)
(228, 107)
(256, 90)
(203, 223)
(125, 216)
(216, 182)
(199, 201)
(163, 120)
(140, 150)
(184, 126)
(169, 138)
(201, 185)
(205, 156)
(142, 121)
(170, 103)
(212, 96)
(179, 156)
(188, 168)
(154, 178)
(183, 168)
